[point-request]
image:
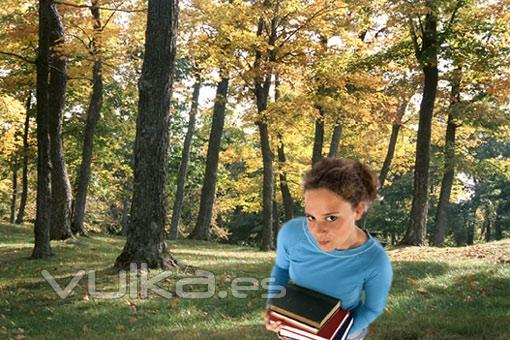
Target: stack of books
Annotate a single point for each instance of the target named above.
(309, 315)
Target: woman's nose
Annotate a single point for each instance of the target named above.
(321, 228)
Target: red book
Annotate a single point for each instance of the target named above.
(338, 325)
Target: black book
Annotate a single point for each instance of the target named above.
(305, 305)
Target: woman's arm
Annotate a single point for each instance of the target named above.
(376, 287)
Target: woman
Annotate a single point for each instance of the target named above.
(327, 252)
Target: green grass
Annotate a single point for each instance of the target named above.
(450, 293)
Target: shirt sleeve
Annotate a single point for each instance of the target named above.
(377, 287)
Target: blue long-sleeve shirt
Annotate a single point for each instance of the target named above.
(343, 274)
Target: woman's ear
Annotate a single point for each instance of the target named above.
(360, 210)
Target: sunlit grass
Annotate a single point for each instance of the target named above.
(451, 293)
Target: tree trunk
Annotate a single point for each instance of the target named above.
(318, 140)
(276, 220)
(335, 140)
(417, 229)
(268, 189)
(183, 168)
(288, 205)
(449, 168)
(61, 196)
(395, 129)
(145, 235)
(262, 86)
(125, 216)
(24, 180)
(42, 247)
(488, 229)
(14, 200)
(93, 114)
(202, 228)
(501, 210)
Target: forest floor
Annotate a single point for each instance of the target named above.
(437, 293)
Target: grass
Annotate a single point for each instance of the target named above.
(448, 293)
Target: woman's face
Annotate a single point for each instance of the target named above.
(331, 219)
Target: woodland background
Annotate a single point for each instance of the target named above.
(418, 90)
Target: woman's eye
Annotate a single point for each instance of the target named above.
(331, 218)
(310, 218)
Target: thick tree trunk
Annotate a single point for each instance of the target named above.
(335, 140)
(24, 179)
(145, 236)
(61, 197)
(14, 199)
(318, 140)
(417, 229)
(125, 216)
(42, 247)
(449, 168)
(183, 168)
(93, 114)
(202, 228)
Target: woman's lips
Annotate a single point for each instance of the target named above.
(322, 243)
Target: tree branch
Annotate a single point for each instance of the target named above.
(414, 38)
(448, 27)
(64, 3)
(18, 56)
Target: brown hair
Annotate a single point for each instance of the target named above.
(350, 179)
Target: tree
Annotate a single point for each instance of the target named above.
(61, 196)
(42, 248)
(201, 231)
(93, 111)
(449, 163)
(426, 42)
(145, 235)
(24, 180)
(183, 167)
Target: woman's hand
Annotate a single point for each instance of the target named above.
(273, 326)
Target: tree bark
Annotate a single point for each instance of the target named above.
(183, 168)
(262, 86)
(125, 216)
(202, 228)
(42, 247)
(395, 129)
(318, 140)
(93, 114)
(24, 179)
(427, 56)
(61, 197)
(14, 199)
(288, 205)
(335, 140)
(145, 235)
(449, 167)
